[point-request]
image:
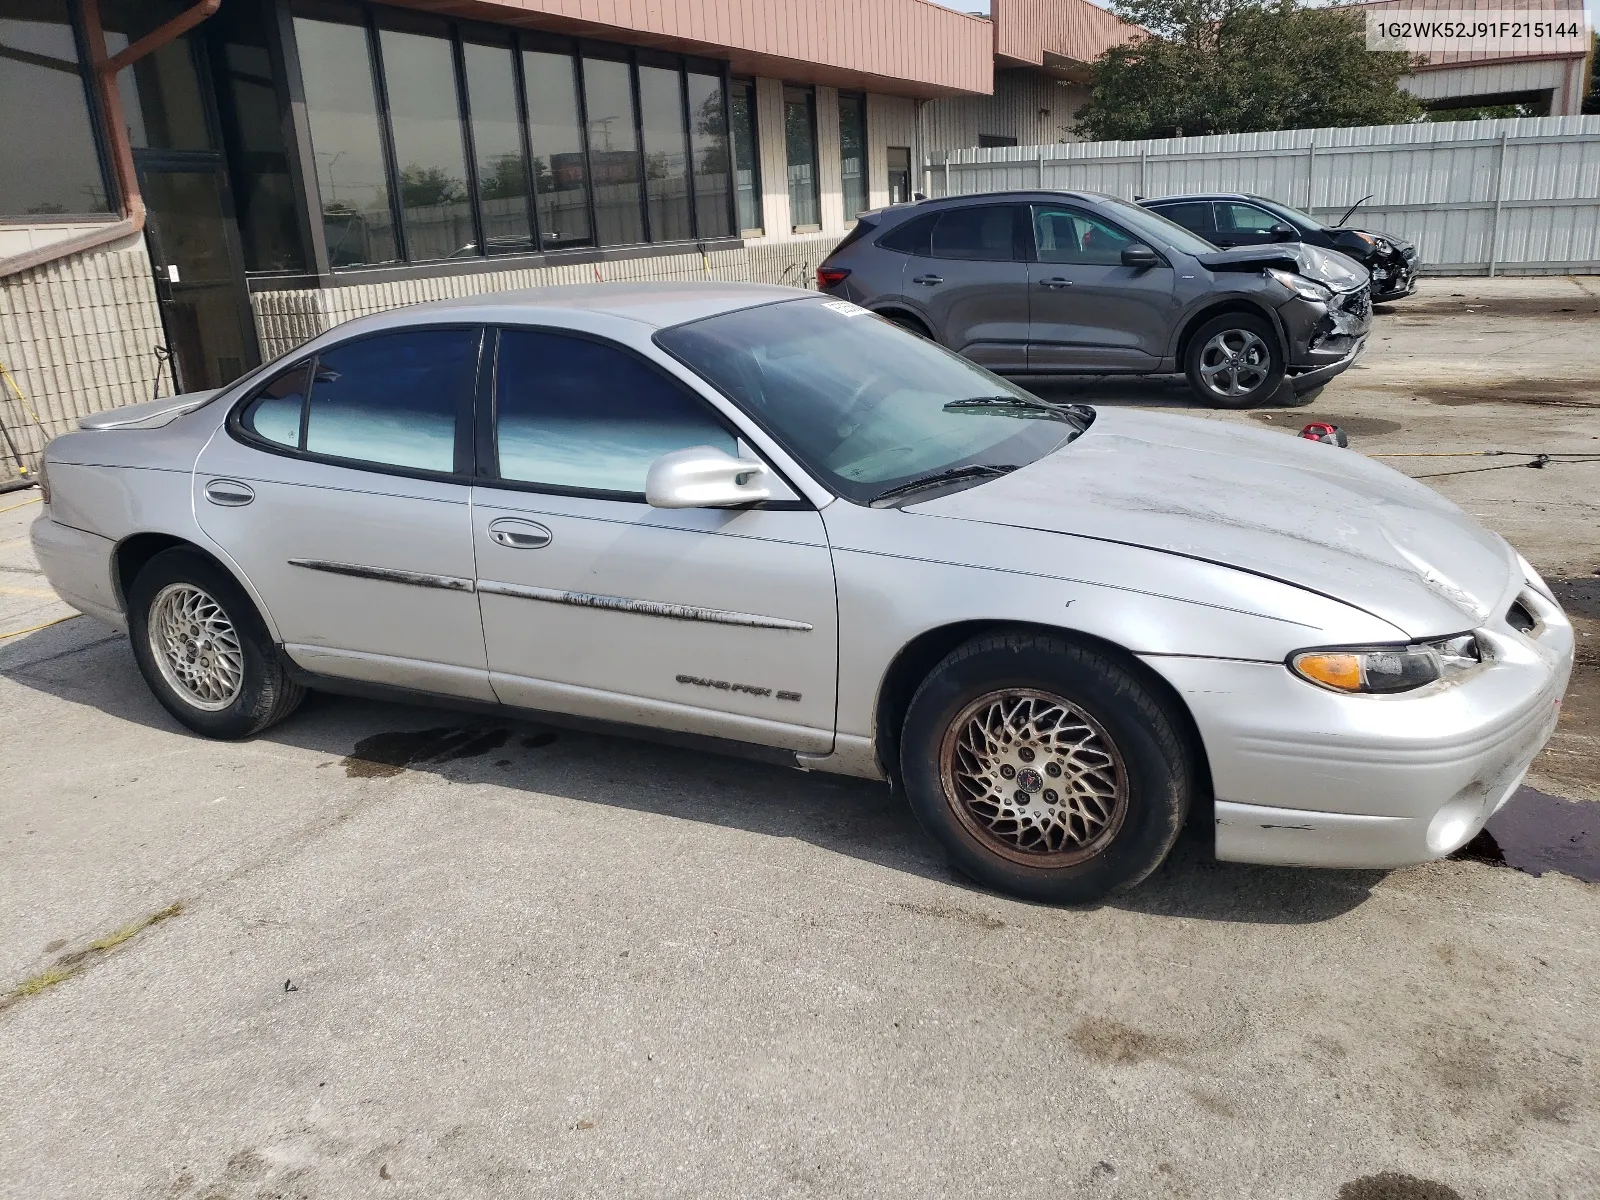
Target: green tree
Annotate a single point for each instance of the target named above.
(1238, 66)
(424, 186)
(1591, 101)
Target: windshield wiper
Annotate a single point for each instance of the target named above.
(1016, 406)
(1352, 209)
(948, 475)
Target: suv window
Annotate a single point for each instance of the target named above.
(984, 232)
(1067, 235)
(575, 413)
(1194, 215)
(393, 400)
(912, 237)
(1245, 218)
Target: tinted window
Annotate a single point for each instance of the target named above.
(497, 141)
(575, 413)
(614, 151)
(275, 412)
(800, 139)
(981, 233)
(425, 115)
(51, 165)
(708, 140)
(1244, 218)
(1195, 216)
(1156, 229)
(912, 237)
(1066, 235)
(560, 178)
(746, 156)
(666, 154)
(393, 399)
(853, 153)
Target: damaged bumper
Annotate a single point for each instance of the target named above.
(1325, 338)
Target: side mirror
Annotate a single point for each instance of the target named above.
(1284, 232)
(1140, 257)
(705, 477)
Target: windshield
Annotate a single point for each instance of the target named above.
(1293, 215)
(866, 406)
(1157, 228)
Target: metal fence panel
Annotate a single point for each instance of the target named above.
(1477, 197)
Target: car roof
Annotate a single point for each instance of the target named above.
(654, 303)
(1201, 196)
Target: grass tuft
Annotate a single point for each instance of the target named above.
(71, 963)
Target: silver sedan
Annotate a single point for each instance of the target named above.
(775, 522)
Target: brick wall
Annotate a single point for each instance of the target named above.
(77, 336)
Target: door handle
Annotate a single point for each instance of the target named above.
(229, 493)
(515, 534)
(1055, 284)
(929, 280)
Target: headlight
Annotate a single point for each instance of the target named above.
(1385, 669)
(1365, 237)
(1534, 579)
(1306, 289)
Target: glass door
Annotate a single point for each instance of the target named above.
(194, 248)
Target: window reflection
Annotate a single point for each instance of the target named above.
(613, 151)
(497, 141)
(666, 158)
(853, 154)
(342, 110)
(746, 159)
(708, 139)
(561, 179)
(800, 137)
(428, 153)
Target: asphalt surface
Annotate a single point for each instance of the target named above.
(406, 953)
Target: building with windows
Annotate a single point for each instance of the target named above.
(188, 186)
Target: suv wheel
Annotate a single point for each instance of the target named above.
(1045, 768)
(204, 650)
(1233, 361)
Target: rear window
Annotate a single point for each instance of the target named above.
(986, 232)
(912, 237)
(1194, 215)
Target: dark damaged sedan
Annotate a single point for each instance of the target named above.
(1237, 219)
(1055, 283)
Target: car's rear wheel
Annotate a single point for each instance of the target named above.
(204, 650)
(1233, 361)
(909, 323)
(1045, 768)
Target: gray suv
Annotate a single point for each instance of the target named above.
(1057, 283)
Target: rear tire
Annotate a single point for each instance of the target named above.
(1045, 768)
(204, 650)
(909, 323)
(1234, 361)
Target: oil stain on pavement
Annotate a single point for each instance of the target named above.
(386, 754)
(1391, 1185)
(1536, 833)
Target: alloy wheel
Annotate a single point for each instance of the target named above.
(1035, 778)
(196, 647)
(1235, 363)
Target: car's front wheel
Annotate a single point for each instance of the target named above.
(1233, 361)
(1045, 768)
(203, 648)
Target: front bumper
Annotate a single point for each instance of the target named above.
(1317, 376)
(1309, 777)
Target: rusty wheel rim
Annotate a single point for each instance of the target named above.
(1034, 777)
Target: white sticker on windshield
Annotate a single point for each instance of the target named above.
(846, 308)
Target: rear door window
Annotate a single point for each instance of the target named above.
(985, 232)
(1194, 216)
(1245, 218)
(575, 414)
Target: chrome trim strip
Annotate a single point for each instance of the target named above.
(450, 583)
(644, 608)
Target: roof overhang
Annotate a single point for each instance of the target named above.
(898, 47)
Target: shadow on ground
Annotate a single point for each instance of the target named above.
(379, 743)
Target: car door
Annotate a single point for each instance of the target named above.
(1087, 310)
(341, 489)
(1240, 224)
(711, 621)
(973, 284)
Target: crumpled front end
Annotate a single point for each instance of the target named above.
(1326, 333)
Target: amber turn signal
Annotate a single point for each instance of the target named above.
(1342, 671)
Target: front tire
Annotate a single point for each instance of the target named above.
(204, 650)
(1045, 768)
(1234, 361)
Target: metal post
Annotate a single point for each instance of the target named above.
(1499, 197)
(947, 172)
(1311, 174)
(1144, 170)
(1041, 168)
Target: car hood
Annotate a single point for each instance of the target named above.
(1316, 516)
(1328, 267)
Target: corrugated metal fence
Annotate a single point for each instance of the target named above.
(1477, 197)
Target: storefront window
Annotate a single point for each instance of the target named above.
(613, 151)
(428, 155)
(853, 153)
(666, 154)
(341, 106)
(560, 173)
(52, 166)
(708, 142)
(800, 138)
(746, 157)
(497, 142)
